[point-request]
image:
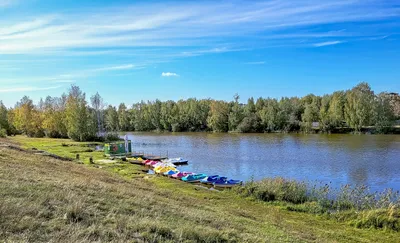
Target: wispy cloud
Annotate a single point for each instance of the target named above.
(255, 63)
(168, 74)
(190, 24)
(7, 3)
(113, 68)
(26, 89)
(327, 43)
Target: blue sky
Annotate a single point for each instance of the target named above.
(130, 51)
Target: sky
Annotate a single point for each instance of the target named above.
(130, 51)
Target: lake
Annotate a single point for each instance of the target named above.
(372, 160)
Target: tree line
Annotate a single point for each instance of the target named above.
(72, 116)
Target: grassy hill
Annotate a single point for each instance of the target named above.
(46, 199)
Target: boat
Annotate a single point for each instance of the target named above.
(212, 179)
(176, 161)
(227, 183)
(171, 172)
(162, 170)
(194, 178)
(181, 174)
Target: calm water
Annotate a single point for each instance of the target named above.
(373, 160)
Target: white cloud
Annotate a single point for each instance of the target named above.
(327, 43)
(168, 74)
(255, 63)
(26, 89)
(113, 68)
(7, 3)
(191, 24)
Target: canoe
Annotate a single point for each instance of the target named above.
(181, 174)
(194, 178)
(212, 179)
(229, 183)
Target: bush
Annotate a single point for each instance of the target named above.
(276, 189)
(3, 133)
(110, 137)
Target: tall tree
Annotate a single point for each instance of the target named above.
(336, 108)
(27, 118)
(78, 116)
(236, 114)
(111, 119)
(326, 122)
(359, 106)
(3, 116)
(98, 106)
(384, 113)
(218, 117)
(123, 118)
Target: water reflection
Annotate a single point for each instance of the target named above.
(356, 159)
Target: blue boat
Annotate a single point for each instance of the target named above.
(194, 178)
(171, 172)
(212, 179)
(227, 183)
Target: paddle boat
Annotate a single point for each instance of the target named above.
(162, 170)
(227, 183)
(171, 172)
(194, 178)
(212, 179)
(176, 161)
(181, 174)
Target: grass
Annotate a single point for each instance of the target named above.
(356, 206)
(45, 199)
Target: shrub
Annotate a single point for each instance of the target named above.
(276, 189)
(3, 133)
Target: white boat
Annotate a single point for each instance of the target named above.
(176, 161)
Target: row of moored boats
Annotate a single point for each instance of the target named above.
(168, 168)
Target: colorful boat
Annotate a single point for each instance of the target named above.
(194, 178)
(181, 174)
(162, 170)
(212, 179)
(227, 183)
(171, 172)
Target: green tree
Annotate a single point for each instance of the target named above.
(384, 113)
(4, 118)
(123, 118)
(326, 123)
(359, 106)
(236, 114)
(218, 117)
(27, 118)
(111, 119)
(336, 108)
(310, 115)
(78, 118)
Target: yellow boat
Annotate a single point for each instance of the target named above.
(162, 169)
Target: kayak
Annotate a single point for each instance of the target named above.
(229, 183)
(181, 174)
(194, 178)
(171, 172)
(212, 179)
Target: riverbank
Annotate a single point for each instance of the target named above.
(119, 202)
